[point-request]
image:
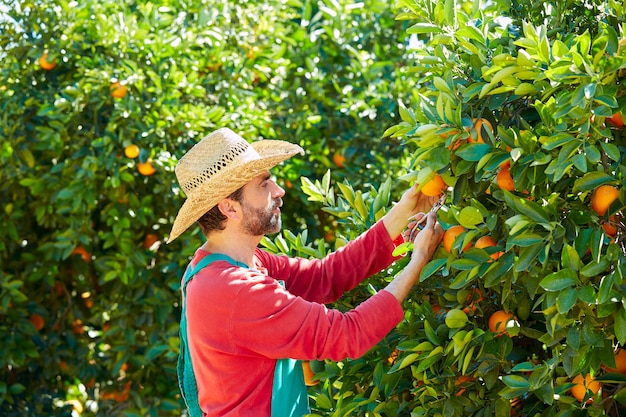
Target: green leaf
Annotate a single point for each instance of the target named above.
(473, 152)
(566, 300)
(594, 268)
(527, 256)
(469, 217)
(431, 268)
(424, 28)
(515, 381)
(591, 180)
(528, 208)
(560, 280)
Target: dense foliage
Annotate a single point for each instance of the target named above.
(98, 100)
(517, 106)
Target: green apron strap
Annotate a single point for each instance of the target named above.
(184, 368)
(290, 397)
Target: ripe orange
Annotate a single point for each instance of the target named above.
(486, 241)
(339, 159)
(504, 178)
(308, 374)
(37, 321)
(79, 250)
(131, 151)
(150, 240)
(146, 168)
(499, 320)
(450, 235)
(435, 187)
(118, 90)
(616, 120)
(45, 64)
(602, 198)
(393, 357)
(620, 362)
(609, 228)
(478, 126)
(460, 381)
(582, 385)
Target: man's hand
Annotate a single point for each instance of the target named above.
(411, 203)
(424, 246)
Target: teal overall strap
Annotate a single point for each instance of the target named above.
(184, 368)
(290, 397)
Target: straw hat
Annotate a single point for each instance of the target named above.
(219, 165)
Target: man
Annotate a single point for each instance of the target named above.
(249, 315)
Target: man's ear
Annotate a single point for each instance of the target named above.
(230, 208)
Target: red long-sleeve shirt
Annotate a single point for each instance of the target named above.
(240, 321)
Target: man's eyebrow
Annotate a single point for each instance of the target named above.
(266, 177)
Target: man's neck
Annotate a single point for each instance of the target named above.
(240, 247)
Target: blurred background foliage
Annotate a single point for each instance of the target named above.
(98, 100)
(517, 105)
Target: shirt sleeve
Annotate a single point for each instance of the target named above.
(325, 280)
(245, 312)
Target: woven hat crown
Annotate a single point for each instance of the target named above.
(217, 166)
(213, 155)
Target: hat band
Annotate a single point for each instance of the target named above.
(225, 160)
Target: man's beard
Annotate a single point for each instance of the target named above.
(262, 221)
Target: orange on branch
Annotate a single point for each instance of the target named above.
(616, 120)
(308, 374)
(339, 159)
(118, 90)
(479, 124)
(149, 240)
(602, 198)
(146, 168)
(46, 64)
(131, 151)
(450, 236)
(80, 250)
(485, 242)
(499, 321)
(504, 178)
(435, 187)
(582, 385)
(620, 361)
(37, 321)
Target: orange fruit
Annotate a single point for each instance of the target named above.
(499, 320)
(150, 240)
(461, 380)
(45, 64)
(435, 187)
(609, 228)
(37, 321)
(308, 374)
(118, 90)
(79, 250)
(620, 362)
(486, 241)
(582, 385)
(504, 178)
(393, 357)
(339, 159)
(616, 120)
(450, 235)
(131, 151)
(478, 126)
(146, 168)
(602, 198)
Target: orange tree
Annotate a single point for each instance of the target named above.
(98, 100)
(518, 107)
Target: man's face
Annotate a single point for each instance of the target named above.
(261, 202)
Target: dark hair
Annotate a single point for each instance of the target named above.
(213, 219)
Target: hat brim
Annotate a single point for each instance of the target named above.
(229, 180)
